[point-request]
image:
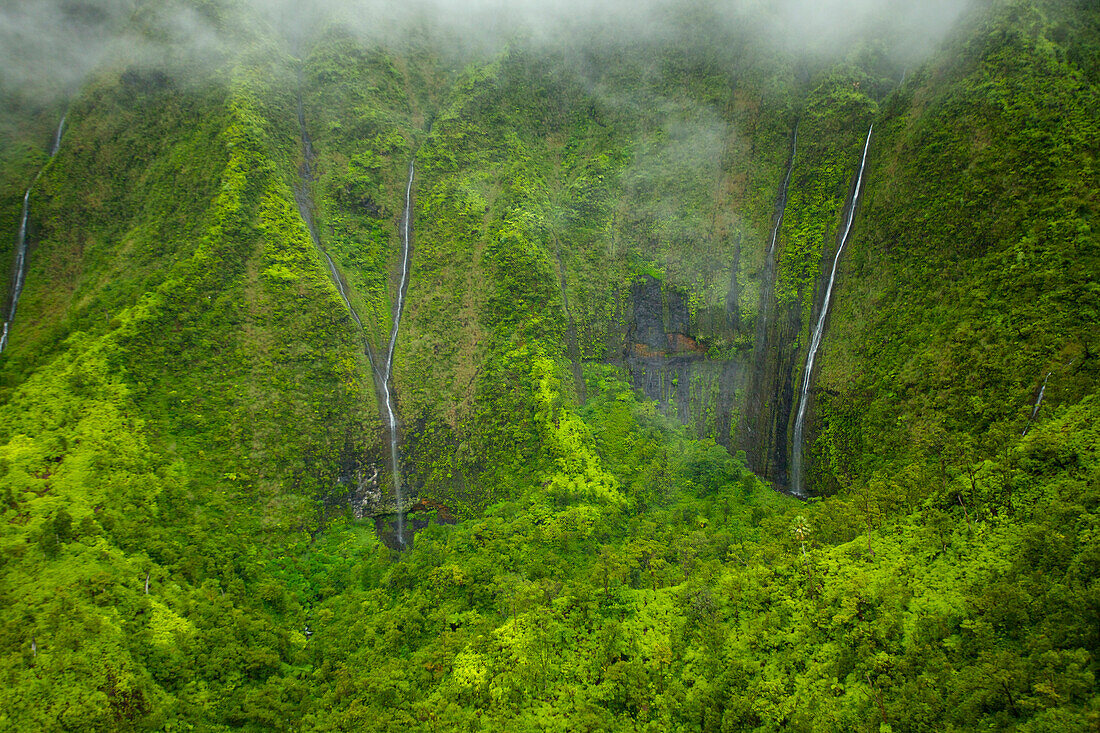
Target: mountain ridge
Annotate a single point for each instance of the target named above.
(591, 428)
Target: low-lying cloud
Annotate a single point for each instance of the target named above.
(48, 46)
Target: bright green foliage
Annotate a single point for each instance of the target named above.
(715, 611)
(832, 129)
(992, 269)
(187, 410)
(358, 114)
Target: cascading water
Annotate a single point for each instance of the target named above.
(1038, 401)
(819, 329)
(387, 367)
(781, 203)
(384, 371)
(57, 136)
(305, 208)
(755, 429)
(19, 269)
(769, 265)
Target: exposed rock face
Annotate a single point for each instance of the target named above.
(649, 324)
(370, 497)
(769, 399)
(669, 365)
(767, 428)
(419, 515)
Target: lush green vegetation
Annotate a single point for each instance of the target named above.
(996, 264)
(688, 595)
(188, 420)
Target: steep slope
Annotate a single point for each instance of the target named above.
(192, 445)
(823, 173)
(959, 297)
(159, 439)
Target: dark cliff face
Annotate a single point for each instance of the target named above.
(649, 327)
(809, 205)
(659, 367)
(668, 364)
(767, 395)
(189, 437)
(764, 433)
(778, 361)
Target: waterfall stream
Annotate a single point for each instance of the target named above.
(386, 374)
(305, 208)
(19, 269)
(819, 329)
(769, 263)
(781, 202)
(753, 430)
(1038, 401)
(383, 371)
(57, 136)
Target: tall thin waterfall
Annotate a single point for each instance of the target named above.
(383, 371)
(753, 429)
(305, 208)
(819, 329)
(387, 367)
(19, 269)
(57, 136)
(781, 204)
(769, 261)
(1038, 401)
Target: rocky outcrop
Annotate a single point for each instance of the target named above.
(420, 514)
(769, 397)
(372, 496)
(668, 362)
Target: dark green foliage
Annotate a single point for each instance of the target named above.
(994, 265)
(187, 413)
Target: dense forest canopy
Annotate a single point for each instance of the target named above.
(440, 367)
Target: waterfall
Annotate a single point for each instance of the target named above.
(781, 202)
(383, 371)
(57, 136)
(1038, 401)
(769, 265)
(305, 209)
(387, 367)
(19, 269)
(819, 329)
(752, 431)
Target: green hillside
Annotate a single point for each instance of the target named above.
(595, 377)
